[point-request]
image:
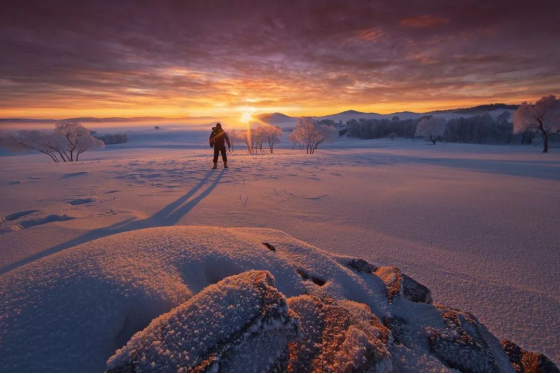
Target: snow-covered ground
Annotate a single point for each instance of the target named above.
(477, 224)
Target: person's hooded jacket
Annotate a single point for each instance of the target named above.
(218, 137)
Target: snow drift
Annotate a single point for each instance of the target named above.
(214, 299)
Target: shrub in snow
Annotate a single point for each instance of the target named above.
(431, 128)
(392, 136)
(67, 142)
(542, 117)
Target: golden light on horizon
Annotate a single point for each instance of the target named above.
(247, 115)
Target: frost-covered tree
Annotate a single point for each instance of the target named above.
(247, 138)
(259, 137)
(273, 136)
(295, 139)
(311, 134)
(392, 136)
(233, 138)
(431, 128)
(32, 140)
(76, 139)
(264, 134)
(542, 117)
(67, 142)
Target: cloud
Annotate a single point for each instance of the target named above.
(131, 57)
(423, 21)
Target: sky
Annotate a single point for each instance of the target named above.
(61, 59)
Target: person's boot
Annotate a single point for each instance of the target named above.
(215, 165)
(225, 165)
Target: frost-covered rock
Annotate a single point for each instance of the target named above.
(338, 337)
(362, 266)
(72, 311)
(528, 362)
(396, 283)
(466, 345)
(240, 322)
(415, 291)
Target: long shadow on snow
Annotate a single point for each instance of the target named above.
(168, 216)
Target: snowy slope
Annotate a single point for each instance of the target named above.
(478, 224)
(71, 311)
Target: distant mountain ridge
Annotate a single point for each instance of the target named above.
(282, 120)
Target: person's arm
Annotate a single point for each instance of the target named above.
(211, 140)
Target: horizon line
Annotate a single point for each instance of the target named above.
(232, 115)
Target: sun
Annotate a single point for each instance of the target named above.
(247, 115)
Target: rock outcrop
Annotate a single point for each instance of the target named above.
(338, 337)
(396, 283)
(190, 298)
(528, 362)
(464, 344)
(243, 321)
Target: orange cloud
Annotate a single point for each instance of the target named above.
(423, 21)
(370, 35)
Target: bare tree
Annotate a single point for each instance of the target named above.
(233, 138)
(31, 140)
(65, 144)
(259, 136)
(248, 139)
(392, 135)
(431, 128)
(311, 133)
(543, 116)
(295, 140)
(272, 135)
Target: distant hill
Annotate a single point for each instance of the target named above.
(274, 117)
(493, 109)
(278, 119)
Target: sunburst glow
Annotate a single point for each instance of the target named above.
(247, 115)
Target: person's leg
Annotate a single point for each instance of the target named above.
(216, 152)
(224, 156)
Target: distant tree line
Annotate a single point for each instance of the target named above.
(381, 128)
(111, 138)
(481, 129)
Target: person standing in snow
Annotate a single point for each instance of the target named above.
(218, 140)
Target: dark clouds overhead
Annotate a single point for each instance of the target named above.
(200, 57)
